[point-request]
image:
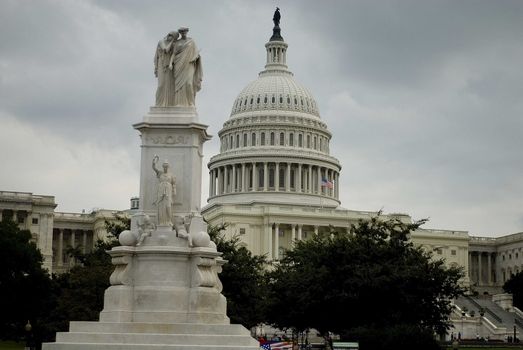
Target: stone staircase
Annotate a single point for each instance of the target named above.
(168, 336)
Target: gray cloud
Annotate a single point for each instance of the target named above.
(423, 98)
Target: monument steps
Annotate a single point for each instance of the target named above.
(158, 328)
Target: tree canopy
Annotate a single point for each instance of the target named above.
(369, 283)
(515, 286)
(25, 287)
(243, 279)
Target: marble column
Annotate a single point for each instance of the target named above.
(293, 233)
(210, 184)
(265, 176)
(489, 269)
(277, 177)
(60, 247)
(244, 181)
(225, 179)
(310, 180)
(315, 230)
(73, 245)
(277, 242)
(233, 184)
(300, 230)
(298, 189)
(480, 277)
(269, 243)
(254, 177)
(319, 181)
(220, 181)
(84, 241)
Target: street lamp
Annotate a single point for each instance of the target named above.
(28, 329)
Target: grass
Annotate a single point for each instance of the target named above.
(11, 345)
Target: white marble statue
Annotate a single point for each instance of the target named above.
(187, 70)
(166, 192)
(145, 228)
(163, 70)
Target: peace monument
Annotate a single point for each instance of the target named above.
(165, 291)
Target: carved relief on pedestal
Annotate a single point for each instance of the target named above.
(204, 273)
(167, 139)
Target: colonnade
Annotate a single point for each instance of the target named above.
(274, 176)
(74, 240)
(482, 268)
(15, 215)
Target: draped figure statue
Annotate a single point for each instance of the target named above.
(166, 193)
(187, 70)
(163, 70)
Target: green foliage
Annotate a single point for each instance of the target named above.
(515, 286)
(25, 286)
(370, 279)
(243, 279)
(115, 227)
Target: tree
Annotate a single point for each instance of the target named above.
(370, 284)
(243, 279)
(25, 286)
(515, 286)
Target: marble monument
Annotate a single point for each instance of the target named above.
(165, 291)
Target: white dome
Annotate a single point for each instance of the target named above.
(275, 91)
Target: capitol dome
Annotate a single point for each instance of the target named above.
(275, 147)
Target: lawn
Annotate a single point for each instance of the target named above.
(11, 345)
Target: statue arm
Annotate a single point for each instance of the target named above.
(155, 161)
(156, 58)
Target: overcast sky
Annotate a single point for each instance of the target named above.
(424, 98)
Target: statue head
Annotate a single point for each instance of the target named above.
(183, 31)
(165, 165)
(173, 35)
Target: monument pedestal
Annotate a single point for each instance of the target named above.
(165, 292)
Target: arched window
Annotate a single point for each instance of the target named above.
(281, 99)
(237, 140)
(253, 139)
(291, 139)
(272, 139)
(282, 139)
(315, 143)
(262, 139)
(260, 177)
(308, 141)
(300, 140)
(282, 178)
(231, 143)
(265, 99)
(273, 99)
(244, 140)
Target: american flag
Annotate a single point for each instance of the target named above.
(326, 183)
(281, 345)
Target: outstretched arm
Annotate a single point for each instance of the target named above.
(155, 161)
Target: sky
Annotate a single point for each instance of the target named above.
(424, 98)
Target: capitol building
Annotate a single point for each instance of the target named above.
(273, 183)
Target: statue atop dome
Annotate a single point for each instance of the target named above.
(177, 65)
(276, 36)
(276, 17)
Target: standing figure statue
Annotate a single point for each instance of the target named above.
(163, 70)
(187, 70)
(166, 192)
(276, 18)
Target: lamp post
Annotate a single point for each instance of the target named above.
(28, 329)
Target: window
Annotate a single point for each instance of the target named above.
(308, 141)
(439, 251)
(271, 177)
(260, 178)
(242, 231)
(282, 178)
(231, 143)
(292, 178)
(21, 219)
(35, 221)
(273, 99)
(300, 140)
(244, 140)
(453, 252)
(315, 143)
(281, 99)
(272, 139)
(253, 139)
(282, 139)
(305, 234)
(237, 141)
(510, 256)
(291, 139)
(263, 139)
(265, 99)
(258, 100)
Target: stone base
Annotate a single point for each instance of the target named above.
(136, 335)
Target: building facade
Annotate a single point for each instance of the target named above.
(54, 232)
